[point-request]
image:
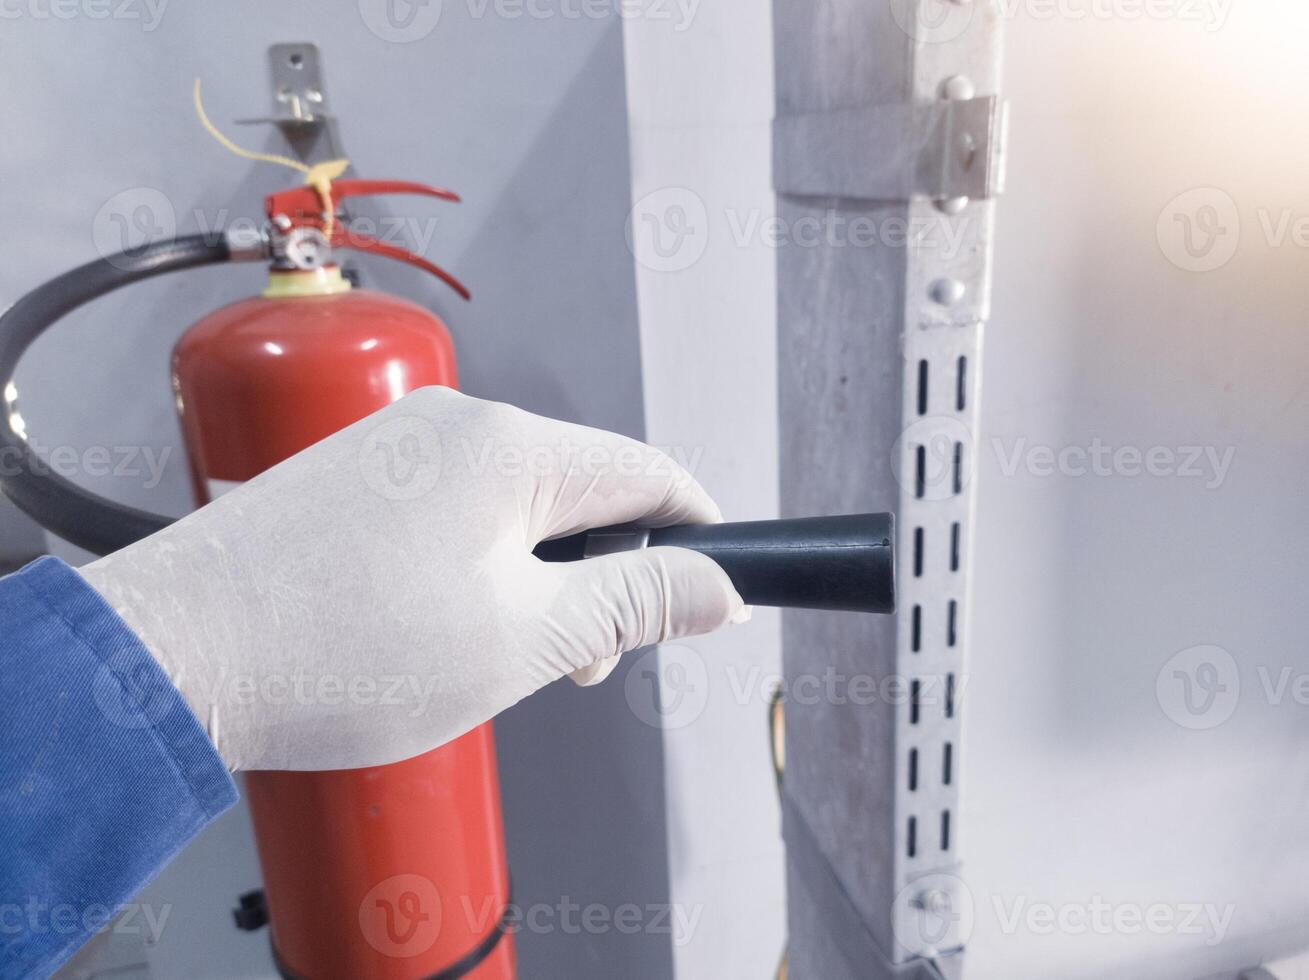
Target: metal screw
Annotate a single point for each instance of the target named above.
(947, 292)
(958, 87)
(934, 901)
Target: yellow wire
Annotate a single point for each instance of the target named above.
(319, 176)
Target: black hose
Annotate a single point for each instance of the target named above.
(844, 563)
(87, 520)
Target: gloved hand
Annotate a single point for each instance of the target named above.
(375, 596)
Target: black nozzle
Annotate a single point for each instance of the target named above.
(836, 563)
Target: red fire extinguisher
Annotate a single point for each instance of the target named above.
(390, 872)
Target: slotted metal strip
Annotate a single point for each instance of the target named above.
(879, 363)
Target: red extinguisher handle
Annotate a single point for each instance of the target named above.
(344, 238)
(364, 188)
(302, 205)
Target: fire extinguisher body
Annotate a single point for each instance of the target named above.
(393, 872)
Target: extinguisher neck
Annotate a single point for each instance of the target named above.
(292, 283)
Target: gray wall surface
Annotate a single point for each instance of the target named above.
(525, 116)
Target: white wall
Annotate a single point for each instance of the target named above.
(700, 104)
(1078, 783)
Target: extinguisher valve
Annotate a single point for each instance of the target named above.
(303, 233)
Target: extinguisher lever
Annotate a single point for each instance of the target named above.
(365, 188)
(302, 204)
(344, 238)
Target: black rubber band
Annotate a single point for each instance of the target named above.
(461, 967)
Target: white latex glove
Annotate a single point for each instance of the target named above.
(376, 595)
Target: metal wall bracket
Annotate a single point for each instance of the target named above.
(947, 149)
(889, 115)
(300, 106)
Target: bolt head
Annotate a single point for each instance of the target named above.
(947, 292)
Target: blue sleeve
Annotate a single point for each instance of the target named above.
(104, 771)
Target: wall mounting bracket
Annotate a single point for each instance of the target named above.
(950, 148)
(300, 106)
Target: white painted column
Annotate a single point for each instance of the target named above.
(700, 102)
